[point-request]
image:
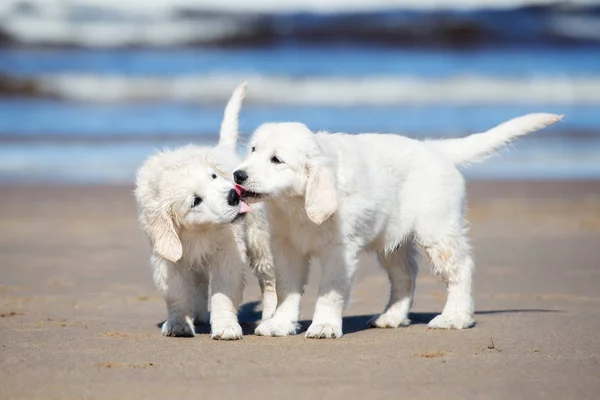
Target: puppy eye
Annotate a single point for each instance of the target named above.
(276, 160)
(252, 149)
(214, 176)
(197, 201)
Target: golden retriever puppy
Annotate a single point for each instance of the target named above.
(200, 233)
(332, 197)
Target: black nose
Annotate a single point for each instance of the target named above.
(232, 198)
(240, 176)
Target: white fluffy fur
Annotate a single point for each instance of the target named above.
(193, 245)
(332, 196)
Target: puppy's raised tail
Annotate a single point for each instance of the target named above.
(228, 136)
(479, 146)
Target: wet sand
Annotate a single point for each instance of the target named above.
(79, 312)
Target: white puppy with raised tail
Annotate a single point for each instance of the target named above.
(195, 220)
(332, 196)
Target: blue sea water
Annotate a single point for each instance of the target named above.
(63, 140)
(309, 60)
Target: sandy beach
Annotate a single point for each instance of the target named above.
(79, 311)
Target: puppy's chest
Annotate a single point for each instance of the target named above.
(208, 248)
(302, 233)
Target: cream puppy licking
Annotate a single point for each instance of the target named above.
(199, 232)
(333, 196)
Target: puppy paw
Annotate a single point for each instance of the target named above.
(324, 331)
(232, 331)
(273, 327)
(177, 328)
(387, 320)
(452, 321)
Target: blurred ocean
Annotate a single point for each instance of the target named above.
(89, 108)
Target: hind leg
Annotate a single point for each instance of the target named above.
(200, 281)
(258, 244)
(402, 267)
(450, 257)
(269, 292)
(261, 264)
(441, 232)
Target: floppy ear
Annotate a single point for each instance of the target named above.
(320, 199)
(164, 236)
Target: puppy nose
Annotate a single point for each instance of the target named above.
(240, 176)
(232, 198)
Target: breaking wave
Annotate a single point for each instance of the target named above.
(162, 23)
(325, 91)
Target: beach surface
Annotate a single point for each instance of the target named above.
(79, 311)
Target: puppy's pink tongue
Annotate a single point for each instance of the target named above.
(239, 189)
(244, 207)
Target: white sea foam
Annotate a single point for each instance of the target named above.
(328, 91)
(156, 7)
(113, 23)
(155, 32)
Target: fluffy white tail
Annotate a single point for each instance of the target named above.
(478, 146)
(228, 136)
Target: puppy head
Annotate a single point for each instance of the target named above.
(183, 190)
(285, 160)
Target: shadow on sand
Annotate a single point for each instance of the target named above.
(249, 316)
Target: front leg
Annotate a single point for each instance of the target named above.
(173, 281)
(291, 270)
(401, 266)
(227, 287)
(339, 265)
